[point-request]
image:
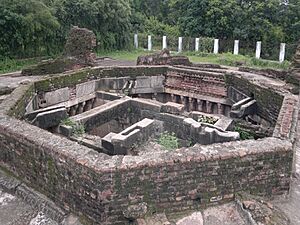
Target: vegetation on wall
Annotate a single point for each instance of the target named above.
(78, 129)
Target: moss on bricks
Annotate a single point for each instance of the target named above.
(18, 110)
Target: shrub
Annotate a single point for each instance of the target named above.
(77, 128)
(244, 134)
(207, 119)
(168, 140)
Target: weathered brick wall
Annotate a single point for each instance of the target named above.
(198, 82)
(269, 100)
(287, 119)
(101, 187)
(71, 79)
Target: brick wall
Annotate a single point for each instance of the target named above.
(101, 187)
(198, 82)
(269, 100)
(287, 119)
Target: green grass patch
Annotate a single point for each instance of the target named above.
(229, 59)
(11, 65)
(168, 140)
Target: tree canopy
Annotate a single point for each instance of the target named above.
(38, 27)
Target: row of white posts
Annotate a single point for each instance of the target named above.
(216, 46)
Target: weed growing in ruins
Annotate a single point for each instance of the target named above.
(244, 134)
(77, 127)
(207, 119)
(168, 140)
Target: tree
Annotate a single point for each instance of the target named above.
(27, 27)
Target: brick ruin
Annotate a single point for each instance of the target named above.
(78, 53)
(116, 172)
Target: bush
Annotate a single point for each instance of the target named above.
(244, 134)
(207, 119)
(168, 140)
(77, 128)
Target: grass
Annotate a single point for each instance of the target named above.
(227, 59)
(10, 65)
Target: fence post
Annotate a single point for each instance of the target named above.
(149, 43)
(164, 42)
(136, 41)
(258, 49)
(282, 52)
(236, 47)
(216, 46)
(180, 44)
(197, 44)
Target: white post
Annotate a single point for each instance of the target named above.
(216, 46)
(197, 41)
(149, 43)
(236, 47)
(164, 42)
(282, 52)
(258, 49)
(136, 41)
(180, 44)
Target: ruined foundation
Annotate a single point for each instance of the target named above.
(102, 175)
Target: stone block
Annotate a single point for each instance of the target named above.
(172, 108)
(157, 81)
(55, 97)
(51, 118)
(142, 82)
(194, 219)
(85, 88)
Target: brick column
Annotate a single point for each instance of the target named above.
(199, 105)
(208, 107)
(220, 108)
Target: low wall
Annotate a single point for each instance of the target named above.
(102, 187)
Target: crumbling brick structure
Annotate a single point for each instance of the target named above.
(77, 54)
(163, 58)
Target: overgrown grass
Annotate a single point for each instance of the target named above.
(10, 65)
(229, 59)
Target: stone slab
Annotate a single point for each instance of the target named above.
(85, 88)
(194, 219)
(51, 118)
(58, 96)
(173, 108)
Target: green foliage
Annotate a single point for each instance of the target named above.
(77, 128)
(9, 65)
(207, 119)
(244, 134)
(31, 28)
(168, 140)
(28, 28)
